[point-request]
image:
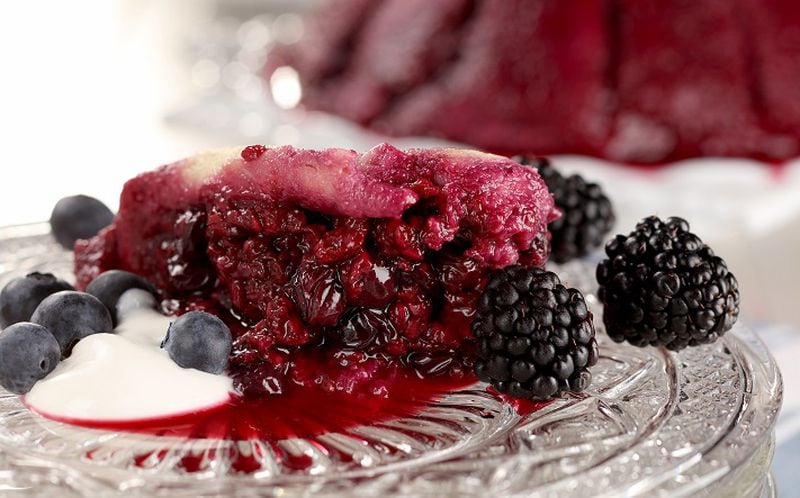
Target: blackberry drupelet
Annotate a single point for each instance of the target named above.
(588, 216)
(535, 337)
(662, 286)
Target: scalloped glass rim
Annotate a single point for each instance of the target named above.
(697, 422)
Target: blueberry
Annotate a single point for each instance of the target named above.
(78, 217)
(110, 285)
(22, 295)
(199, 340)
(28, 352)
(70, 316)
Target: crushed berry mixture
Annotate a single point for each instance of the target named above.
(332, 268)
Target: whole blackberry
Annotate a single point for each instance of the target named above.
(662, 286)
(535, 337)
(588, 216)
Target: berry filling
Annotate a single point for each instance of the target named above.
(332, 269)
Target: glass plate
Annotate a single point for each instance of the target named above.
(697, 422)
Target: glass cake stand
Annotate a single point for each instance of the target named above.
(653, 422)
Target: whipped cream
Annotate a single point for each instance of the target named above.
(126, 375)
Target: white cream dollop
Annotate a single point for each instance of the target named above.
(126, 375)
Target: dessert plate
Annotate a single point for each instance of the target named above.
(697, 422)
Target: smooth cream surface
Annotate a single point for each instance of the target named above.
(126, 375)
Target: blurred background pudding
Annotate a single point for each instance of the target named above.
(634, 81)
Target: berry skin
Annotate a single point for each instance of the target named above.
(199, 340)
(535, 336)
(78, 217)
(253, 152)
(662, 286)
(587, 212)
(70, 316)
(110, 285)
(28, 352)
(20, 297)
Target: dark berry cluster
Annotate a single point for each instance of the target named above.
(588, 216)
(535, 336)
(661, 285)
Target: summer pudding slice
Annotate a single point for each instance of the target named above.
(333, 269)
